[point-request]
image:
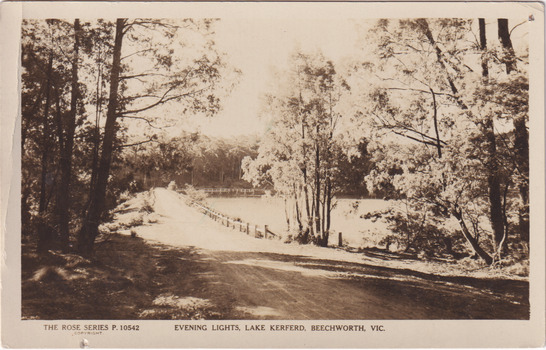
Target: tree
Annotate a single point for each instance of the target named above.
(45, 56)
(66, 143)
(439, 101)
(521, 137)
(66, 69)
(90, 225)
(299, 155)
(169, 78)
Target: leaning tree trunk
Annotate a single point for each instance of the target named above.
(458, 214)
(63, 204)
(89, 230)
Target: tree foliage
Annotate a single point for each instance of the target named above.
(446, 97)
(433, 116)
(85, 85)
(300, 155)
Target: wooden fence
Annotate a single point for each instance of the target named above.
(257, 231)
(235, 191)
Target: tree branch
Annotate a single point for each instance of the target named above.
(162, 100)
(136, 53)
(408, 128)
(137, 143)
(422, 91)
(143, 75)
(517, 25)
(415, 139)
(139, 118)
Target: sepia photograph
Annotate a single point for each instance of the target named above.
(224, 168)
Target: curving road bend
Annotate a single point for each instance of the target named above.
(225, 274)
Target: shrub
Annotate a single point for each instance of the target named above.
(417, 233)
(147, 207)
(138, 221)
(194, 194)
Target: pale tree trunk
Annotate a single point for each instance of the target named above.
(328, 204)
(309, 228)
(323, 214)
(297, 208)
(317, 186)
(286, 213)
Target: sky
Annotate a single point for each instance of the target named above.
(254, 46)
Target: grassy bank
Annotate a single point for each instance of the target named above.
(127, 279)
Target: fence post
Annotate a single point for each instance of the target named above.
(265, 231)
(247, 228)
(340, 239)
(255, 230)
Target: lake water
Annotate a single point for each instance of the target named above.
(357, 232)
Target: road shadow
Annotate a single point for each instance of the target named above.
(131, 278)
(429, 296)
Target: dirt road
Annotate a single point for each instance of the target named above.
(223, 274)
